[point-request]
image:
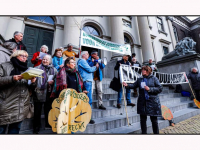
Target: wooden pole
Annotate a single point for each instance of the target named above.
(191, 89)
(125, 105)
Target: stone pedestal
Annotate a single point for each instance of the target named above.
(180, 64)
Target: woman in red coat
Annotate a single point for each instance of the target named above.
(36, 60)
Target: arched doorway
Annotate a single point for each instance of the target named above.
(37, 33)
(90, 29)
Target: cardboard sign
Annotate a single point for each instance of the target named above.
(70, 112)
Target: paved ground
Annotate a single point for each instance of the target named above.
(189, 126)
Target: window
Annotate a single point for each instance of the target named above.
(165, 50)
(43, 19)
(91, 30)
(127, 23)
(126, 40)
(160, 24)
(175, 33)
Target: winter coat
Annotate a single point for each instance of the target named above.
(150, 107)
(4, 54)
(57, 62)
(118, 65)
(34, 61)
(195, 79)
(14, 96)
(20, 45)
(85, 70)
(101, 66)
(39, 95)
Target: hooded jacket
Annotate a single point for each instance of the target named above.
(4, 54)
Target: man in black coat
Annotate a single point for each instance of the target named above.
(194, 76)
(128, 91)
(18, 37)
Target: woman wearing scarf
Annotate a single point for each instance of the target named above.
(148, 103)
(42, 92)
(68, 77)
(14, 93)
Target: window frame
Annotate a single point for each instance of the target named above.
(161, 24)
(43, 21)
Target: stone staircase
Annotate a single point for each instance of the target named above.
(113, 120)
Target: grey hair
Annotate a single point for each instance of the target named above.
(10, 45)
(83, 53)
(16, 33)
(150, 59)
(61, 48)
(46, 47)
(194, 68)
(69, 45)
(49, 57)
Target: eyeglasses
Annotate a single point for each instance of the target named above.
(23, 56)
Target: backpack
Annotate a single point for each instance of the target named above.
(178, 89)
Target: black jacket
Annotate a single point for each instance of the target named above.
(118, 64)
(132, 63)
(20, 45)
(151, 107)
(195, 79)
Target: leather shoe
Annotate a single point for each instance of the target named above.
(102, 107)
(118, 106)
(131, 104)
(92, 121)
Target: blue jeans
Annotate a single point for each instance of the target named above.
(12, 129)
(88, 87)
(128, 96)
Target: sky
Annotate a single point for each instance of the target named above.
(192, 17)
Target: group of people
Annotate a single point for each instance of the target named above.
(60, 72)
(15, 91)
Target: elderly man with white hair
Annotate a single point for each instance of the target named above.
(17, 38)
(36, 59)
(194, 76)
(86, 73)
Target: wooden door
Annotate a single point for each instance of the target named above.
(34, 38)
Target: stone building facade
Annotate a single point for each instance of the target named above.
(149, 36)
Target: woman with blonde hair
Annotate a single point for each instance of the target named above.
(14, 93)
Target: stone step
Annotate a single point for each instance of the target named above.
(108, 123)
(111, 122)
(113, 102)
(135, 127)
(111, 109)
(115, 96)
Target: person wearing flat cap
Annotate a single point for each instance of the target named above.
(97, 76)
(128, 92)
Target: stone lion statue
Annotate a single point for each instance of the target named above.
(183, 47)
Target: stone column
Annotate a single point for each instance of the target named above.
(3, 25)
(117, 34)
(71, 31)
(169, 22)
(145, 38)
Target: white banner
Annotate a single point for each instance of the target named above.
(98, 43)
(130, 74)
